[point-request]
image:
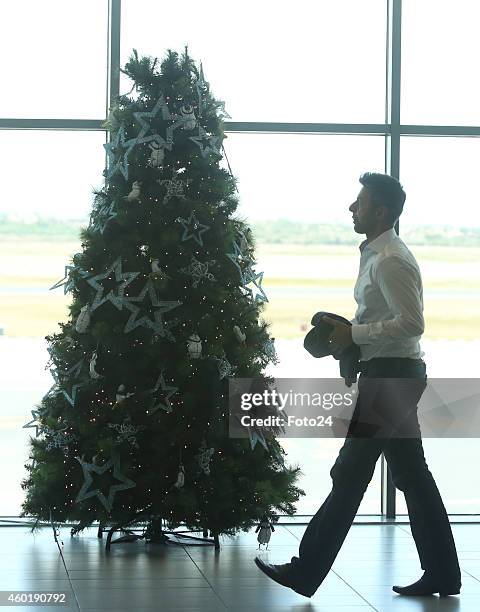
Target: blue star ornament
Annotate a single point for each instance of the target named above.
(235, 257)
(102, 217)
(115, 295)
(34, 422)
(192, 228)
(252, 282)
(106, 500)
(148, 133)
(67, 281)
(161, 394)
(201, 87)
(148, 316)
(118, 151)
(67, 379)
(207, 144)
(255, 437)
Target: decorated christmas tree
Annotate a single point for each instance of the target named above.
(166, 306)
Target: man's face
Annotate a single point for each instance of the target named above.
(364, 212)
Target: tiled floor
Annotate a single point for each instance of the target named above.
(139, 576)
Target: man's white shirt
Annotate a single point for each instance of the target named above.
(389, 294)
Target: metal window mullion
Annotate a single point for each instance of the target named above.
(394, 82)
(114, 17)
(468, 131)
(304, 128)
(392, 167)
(440, 130)
(51, 124)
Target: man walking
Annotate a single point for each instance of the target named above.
(387, 327)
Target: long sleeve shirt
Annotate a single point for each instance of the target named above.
(389, 294)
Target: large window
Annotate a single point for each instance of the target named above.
(289, 184)
(440, 50)
(54, 69)
(272, 61)
(380, 83)
(444, 196)
(54, 59)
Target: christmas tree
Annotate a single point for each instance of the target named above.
(165, 307)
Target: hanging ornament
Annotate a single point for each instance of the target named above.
(83, 320)
(194, 346)
(146, 316)
(155, 266)
(121, 395)
(149, 133)
(157, 273)
(199, 271)
(188, 117)
(241, 337)
(252, 284)
(264, 530)
(192, 228)
(58, 439)
(116, 294)
(88, 468)
(126, 432)
(240, 258)
(65, 379)
(34, 422)
(207, 143)
(161, 394)
(135, 193)
(204, 457)
(118, 151)
(100, 217)
(175, 187)
(68, 282)
(112, 123)
(180, 477)
(202, 88)
(157, 156)
(224, 366)
(243, 241)
(221, 111)
(256, 435)
(93, 362)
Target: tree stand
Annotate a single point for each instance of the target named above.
(156, 534)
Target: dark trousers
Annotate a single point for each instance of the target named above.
(375, 428)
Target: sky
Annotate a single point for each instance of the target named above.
(321, 63)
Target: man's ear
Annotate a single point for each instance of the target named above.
(383, 212)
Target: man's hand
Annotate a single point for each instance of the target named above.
(340, 337)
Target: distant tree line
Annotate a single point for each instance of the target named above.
(279, 231)
(282, 231)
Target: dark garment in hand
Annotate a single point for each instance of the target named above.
(316, 343)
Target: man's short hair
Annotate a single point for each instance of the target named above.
(385, 191)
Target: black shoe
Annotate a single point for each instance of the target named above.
(281, 574)
(428, 586)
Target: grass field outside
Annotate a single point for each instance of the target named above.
(298, 280)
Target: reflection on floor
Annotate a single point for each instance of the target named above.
(139, 576)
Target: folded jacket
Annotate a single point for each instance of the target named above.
(316, 343)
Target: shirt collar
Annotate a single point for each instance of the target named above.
(380, 242)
